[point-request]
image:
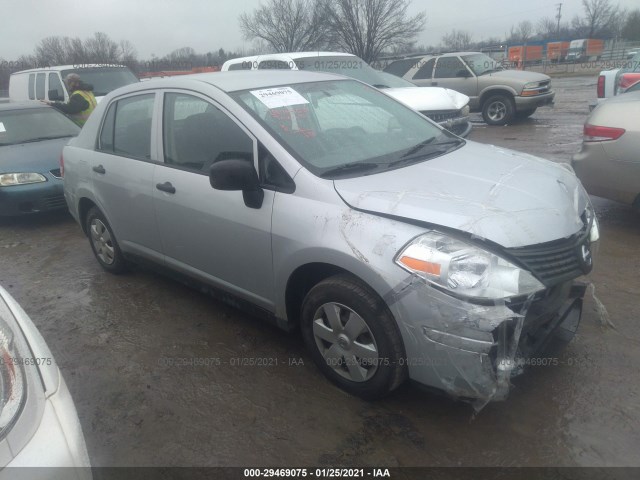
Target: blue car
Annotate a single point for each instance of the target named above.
(31, 139)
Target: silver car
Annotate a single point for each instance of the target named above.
(39, 425)
(399, 249)
(608, 162)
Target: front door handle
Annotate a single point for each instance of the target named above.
(166, 187)
(99, 169)
(435, 84)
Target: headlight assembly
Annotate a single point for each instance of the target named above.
(10, 179)
(465, 269)
(465, 111)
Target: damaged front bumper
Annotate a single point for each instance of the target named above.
(472, 351)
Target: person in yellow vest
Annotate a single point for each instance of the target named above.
(81, 100)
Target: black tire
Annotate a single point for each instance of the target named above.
(103, 242)
(346, 295)
(525, 113)
(498, 110)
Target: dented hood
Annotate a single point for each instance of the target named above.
(511, 198)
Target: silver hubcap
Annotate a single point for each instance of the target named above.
(101, 239)
(497, 111)
(346, 342)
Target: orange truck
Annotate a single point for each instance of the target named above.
(557, 51)
(585, 49)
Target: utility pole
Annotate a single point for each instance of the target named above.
(558, 16)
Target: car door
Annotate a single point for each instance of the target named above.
(122, 172)
(451, 72)
(210, 234)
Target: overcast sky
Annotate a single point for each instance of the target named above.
(160, 26)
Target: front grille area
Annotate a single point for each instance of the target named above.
(51, 202)
(555, 262)
(439, 117)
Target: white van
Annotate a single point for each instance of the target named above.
(48, 83)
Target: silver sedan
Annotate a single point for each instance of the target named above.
(609, 162)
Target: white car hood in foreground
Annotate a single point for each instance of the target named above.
(428, 98)
(507, 197)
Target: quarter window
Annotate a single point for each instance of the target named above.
(400, 67)
(425, 70)
(196, 134)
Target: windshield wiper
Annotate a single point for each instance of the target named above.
(350, 168)
(50, 137)
(435, 151)
(380, 85)
(419, 147)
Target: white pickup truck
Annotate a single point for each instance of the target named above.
(618, 80)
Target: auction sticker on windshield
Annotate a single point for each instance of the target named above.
(279, 97)
(2, 129)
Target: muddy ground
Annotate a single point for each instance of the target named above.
(118, 340)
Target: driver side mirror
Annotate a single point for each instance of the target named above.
(463, 73)
(237, 174)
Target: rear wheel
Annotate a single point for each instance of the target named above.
(498, 110)
(353, 337)
(103, 242)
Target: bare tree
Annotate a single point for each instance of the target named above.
(127, 53)
(457, 40)
(101, 49)
(600, 18)
(51, 51)
(287, 25)
(368, 27)
(631, 27)
(522, 32)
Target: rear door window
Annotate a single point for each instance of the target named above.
(130, 134)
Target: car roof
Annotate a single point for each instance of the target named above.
(235, 80)
(22, 105)
(58, 68)
(288, 56)
(436, 54)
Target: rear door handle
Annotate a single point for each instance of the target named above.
(99, 169)
(166, 187)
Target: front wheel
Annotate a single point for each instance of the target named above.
(353, 337)
(498, 110)
(103, 242)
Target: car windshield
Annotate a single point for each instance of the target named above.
(354, 67)
(338, 128)
(34, 124)
(104, 79)
(481, 63)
